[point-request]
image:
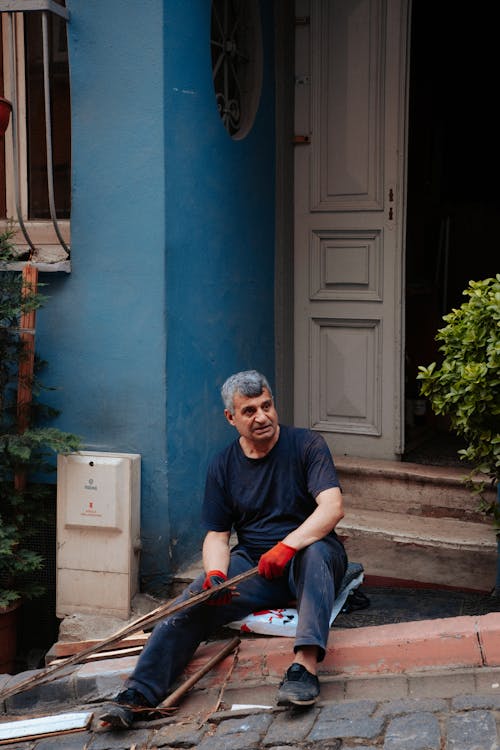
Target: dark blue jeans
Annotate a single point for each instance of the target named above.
(314, 576)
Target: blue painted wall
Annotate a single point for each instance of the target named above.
(172, 281)
(220, 254)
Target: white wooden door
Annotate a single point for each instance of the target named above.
(350, 106)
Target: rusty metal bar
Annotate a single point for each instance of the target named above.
(27, 325)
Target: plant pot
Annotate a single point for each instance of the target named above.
(9, 618)
(5, 110)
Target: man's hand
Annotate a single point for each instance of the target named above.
(273, 563)
(213, 578)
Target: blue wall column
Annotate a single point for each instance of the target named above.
(103, 331)
(220, 255)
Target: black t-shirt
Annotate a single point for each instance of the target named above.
(264, 499)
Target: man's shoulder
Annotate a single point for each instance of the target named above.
(293, 431)
(301, 435)
(301, 441)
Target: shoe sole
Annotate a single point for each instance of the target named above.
(287, 701)
(296, 702)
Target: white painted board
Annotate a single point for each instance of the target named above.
(43, 725)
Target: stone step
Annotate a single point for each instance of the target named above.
(410, 522)
(414, 489)
(443, 532)
(413, 522)
(407, 548)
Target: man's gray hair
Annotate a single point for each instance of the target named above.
(249, 383)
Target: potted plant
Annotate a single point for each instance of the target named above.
(466, 386)
(27, 445)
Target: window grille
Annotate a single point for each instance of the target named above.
(45, 11)
(236, 52)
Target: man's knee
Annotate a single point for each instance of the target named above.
(324, 556)
(319, 552)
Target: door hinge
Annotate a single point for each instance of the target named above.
(301, 140)
(303, 80)
(391, 207)
(302, 20)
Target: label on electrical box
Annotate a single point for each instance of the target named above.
(89, 506)
(94, 487)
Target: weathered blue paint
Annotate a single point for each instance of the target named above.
(172, 279)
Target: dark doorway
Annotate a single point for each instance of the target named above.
(453, 192)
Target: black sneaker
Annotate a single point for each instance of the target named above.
(124, 710)
(299, 687)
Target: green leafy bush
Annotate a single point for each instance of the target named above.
(7, 247)
(23, 452)
(466, 385)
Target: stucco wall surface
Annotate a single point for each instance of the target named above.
(172, 236)
(220, 254)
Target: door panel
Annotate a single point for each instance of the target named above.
(338, 400)
(350, 87)
(347, 113)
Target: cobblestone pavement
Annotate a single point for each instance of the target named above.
(464, 722)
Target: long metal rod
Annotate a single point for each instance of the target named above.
(159, 613)
(15, 149)
(48, 130)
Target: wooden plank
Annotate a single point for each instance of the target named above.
(27, 324)
(159, 613)
(114, 654)
(68, 648)
(174, 698)
(43, 726)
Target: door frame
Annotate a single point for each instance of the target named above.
(284, 41)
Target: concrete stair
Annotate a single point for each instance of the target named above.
(411, 523)
(408, 524)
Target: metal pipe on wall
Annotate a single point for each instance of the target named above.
(15, 147)
(48, 130)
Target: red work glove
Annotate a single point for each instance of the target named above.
(273, 563)
(213, 578)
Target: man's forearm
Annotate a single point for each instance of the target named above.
(216, 551)
(329, 512)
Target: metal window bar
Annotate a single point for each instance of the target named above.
(45, 7)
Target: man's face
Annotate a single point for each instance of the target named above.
(254, 417)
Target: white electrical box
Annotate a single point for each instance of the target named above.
(98, 532)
